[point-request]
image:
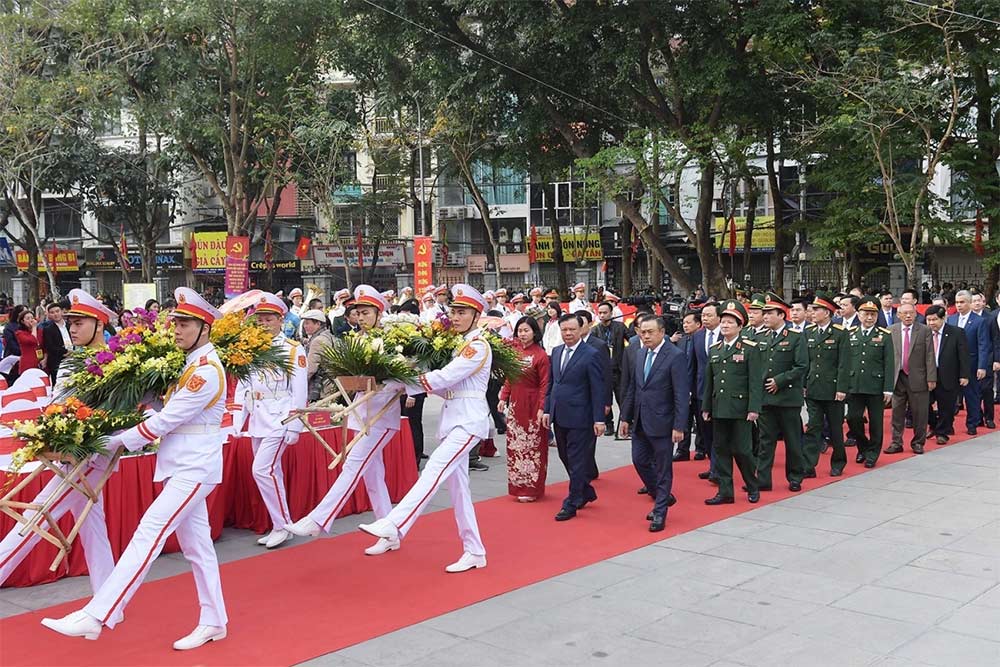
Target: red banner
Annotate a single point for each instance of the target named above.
(237, 265)
(423, 263)
(302, 250)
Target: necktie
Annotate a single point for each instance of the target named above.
(937, 345)
(565, 360)
(711, 341)
(649, 364)
(906, 350)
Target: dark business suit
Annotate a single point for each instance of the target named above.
(575, 402)
(656, 403)
(910, 389)
(952, 366)
(980, 357)
(886, 321)
(699, 341)
(613, 336)
(53, 346)
(604, 354)
(986, 387)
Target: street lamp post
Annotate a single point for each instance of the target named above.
(420, 158)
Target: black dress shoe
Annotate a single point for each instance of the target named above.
(971, 431)
(826, 446)
(850, 442)
(869, 464)
(424, 456)
(760, 488)
(649, 517)
(836, 472)
(917, 449)
(704, 475)
(990, 423)
(713, 480)
(893, 449)
(860, 458)
(810, 474)
(671, 500)
(642, 491)
(591, 498)
(657, 524)
(941, 440)
(720, 500)
(794, 487)
(700, 456)
(682, 456)
(478, 465)
(565, 515)
(754, 497)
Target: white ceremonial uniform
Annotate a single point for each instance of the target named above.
(272, 398)
(364, 461)
(189, 462)
(432, 313)
(578, 304)
(465, 420)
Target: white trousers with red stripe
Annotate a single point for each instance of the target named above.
(270, 477)
(364, 461)
(180, 508)
(93, 533)
(448, 463)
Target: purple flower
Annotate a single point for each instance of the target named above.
(133, 338)
(104, 357)
(94, 369)
(115, 344)
(444, 320)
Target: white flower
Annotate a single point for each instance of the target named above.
(377, 344)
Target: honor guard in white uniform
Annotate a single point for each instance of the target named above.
(25, 400)
(500, 294)
(616, 312)
(189, 463)
(465, 420)
(516, 313)
(579, 301)
(298, 303)
(272, 398)
(364, 461)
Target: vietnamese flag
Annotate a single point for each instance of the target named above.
(302, 250)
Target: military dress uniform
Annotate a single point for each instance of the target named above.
(871, 368)
(25, 400)
(786, 360)
(829, 374)
(364, 461)
(733, 389)
(272, 397)
(189, 463)
(751, 333)
(465, 420)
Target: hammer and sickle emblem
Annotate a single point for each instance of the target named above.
(422, 250)
(238, 247)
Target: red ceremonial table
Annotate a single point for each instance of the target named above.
(236, 502)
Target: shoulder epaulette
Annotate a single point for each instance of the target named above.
(884, 330)
(810, 326)
(786, 330)
(839, 327)
(717, 343)
(751, 343)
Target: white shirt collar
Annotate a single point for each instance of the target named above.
(656, 350)
(197, 353)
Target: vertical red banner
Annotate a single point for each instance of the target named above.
(423, 263)
(237, 265)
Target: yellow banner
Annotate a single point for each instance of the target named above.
(574, 246)
(763, 233)
(209, 251)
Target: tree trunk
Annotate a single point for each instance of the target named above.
(713, 275)
(778, 203)
(655, 245)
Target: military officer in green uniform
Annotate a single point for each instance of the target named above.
(754, 326)
(826, 385)
(871, 382)
(731, 402)
(786, 361)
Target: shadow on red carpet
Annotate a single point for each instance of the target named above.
(300, 602)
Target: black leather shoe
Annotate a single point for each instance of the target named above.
(869, 464)
(971, 431)
(478, 465)
(794, 487)
(713, 480)
(860, 458)
(836, 472)
(917, 449)
(565, 515)
(759, 489)
(941, 440)
(671, 500)
(682, 456)
(826, 446)
(720, 500)
(590, 499)
(850, 442)
(642, 491)
(649, 517)
(754, 497)
(704, 475)
(657, 524)
(700, 456)
(810, 474)
(990, 423)
(893, 449)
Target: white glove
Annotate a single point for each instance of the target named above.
(114, 442)
(291, 438)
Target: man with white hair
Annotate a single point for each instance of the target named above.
(980, 356)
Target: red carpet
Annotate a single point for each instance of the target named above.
(300, 602)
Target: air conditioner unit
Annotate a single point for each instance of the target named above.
(447, 213)
(456, 259)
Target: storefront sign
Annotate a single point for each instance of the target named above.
(61, 259)
(237, 265)
(259, 266)
(762, 239)
(577, 244)
(475, 263)
(423, 263)
(514, 263)
(105, 259)
(331, 256)
(209, 252)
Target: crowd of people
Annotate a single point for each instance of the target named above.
(737, 377)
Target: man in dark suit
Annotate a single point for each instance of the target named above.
(574, 406)
(915, 377)
(951, 353)
(656, 401)
(887, 313)
(980, 355)
(55, 338)
(911, 297)
(604, 353)
(702, 341)
(612, 332)
(849, 312)
(986, 388)
(690, 324)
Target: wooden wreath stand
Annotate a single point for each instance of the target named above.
(72, 474)
(363, 387)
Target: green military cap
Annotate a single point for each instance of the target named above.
(824, 300)
(757, 302)
(869, 303)
(775, 302)
(734, 308)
